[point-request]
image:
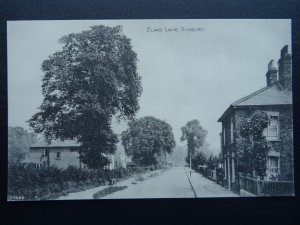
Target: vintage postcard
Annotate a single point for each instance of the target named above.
(127, 109)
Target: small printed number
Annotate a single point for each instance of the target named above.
(17, 197)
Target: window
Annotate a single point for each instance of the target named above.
(233, 168)
(272, 131)
(58, 155)
(273, 164)
(224, 136)
(44, 152)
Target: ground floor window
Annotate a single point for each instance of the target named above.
(273, 164)
(273, 170)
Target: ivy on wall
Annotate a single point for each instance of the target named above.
(253, 151)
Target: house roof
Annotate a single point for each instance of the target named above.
(270, 95)
(56, 144)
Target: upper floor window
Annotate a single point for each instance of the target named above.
(272, 131)
(224, 135)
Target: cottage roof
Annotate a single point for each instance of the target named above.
(56, 144)
(270, 95)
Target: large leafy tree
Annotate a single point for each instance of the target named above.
(19, 141)
(195, 136)
(148, 138)
(93, 78)
(253, 151)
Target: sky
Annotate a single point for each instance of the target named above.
(195, 72)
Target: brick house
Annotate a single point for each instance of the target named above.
(276, 100)
(64, 153)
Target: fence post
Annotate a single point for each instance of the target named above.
(241, 182)
(258, 186)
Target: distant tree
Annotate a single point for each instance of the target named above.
(198, 159)
(212, 161)
(205, 149)
(178, 155)
(19, 141)
(254, 149)
(147, 138)
(195, 136)
(91, 80)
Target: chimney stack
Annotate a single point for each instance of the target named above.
(285, 68)
(272, 73)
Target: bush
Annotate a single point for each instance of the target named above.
(140, 178)
(152, 168)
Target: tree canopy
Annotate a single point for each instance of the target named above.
(148, 138)
(254, 149)
(93, 78)
(194, 134)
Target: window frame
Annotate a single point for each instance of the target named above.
(270, 168)
(231, 130)
(224, 135)
(266, 130)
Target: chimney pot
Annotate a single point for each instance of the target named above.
(272, 65)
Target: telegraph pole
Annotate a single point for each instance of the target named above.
(190, 165)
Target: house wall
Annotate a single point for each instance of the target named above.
(227, 150)
(67, 157)
(120, 157)
(111, 164)
(35, 155)
(285, 143)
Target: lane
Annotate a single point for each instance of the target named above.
(172, 183)
(206, 188)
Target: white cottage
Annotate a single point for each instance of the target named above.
(63, 154)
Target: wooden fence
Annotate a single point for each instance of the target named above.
(213, 174)
(266, 188)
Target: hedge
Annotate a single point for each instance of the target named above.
(25, 182)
